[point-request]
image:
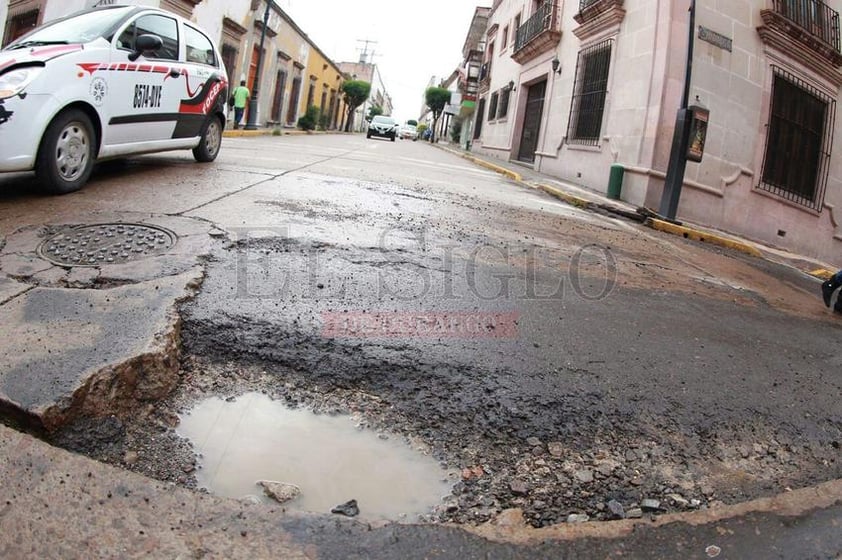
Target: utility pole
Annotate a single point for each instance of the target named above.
(681, 136)
(252, 121)
(364, 60)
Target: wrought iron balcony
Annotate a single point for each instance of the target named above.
(585, 4)
(538, 34)
(813, 18)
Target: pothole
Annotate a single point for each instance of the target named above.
(254, 438)
(99, 244)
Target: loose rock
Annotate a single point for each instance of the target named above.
(650, 505)
(616, 509)
(634, 513)
(348, 509)
(584, 476)
(555, 448)
(577, 518)
(281, 492)
(519, 488)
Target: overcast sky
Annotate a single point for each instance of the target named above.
(416, 39)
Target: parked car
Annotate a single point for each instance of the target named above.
(105, 83)
(408, 131)
(382, 126)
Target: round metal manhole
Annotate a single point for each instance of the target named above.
(102, 244)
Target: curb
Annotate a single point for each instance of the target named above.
(703, 236)
(239, 133)
(660, 225)
(487, 164)
(501, 170)
(511, 527)
(821, 273)
(567, 197)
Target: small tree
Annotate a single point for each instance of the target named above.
(373, 111)
(356, 92)
(412, 122)
(310, 119)
(436, 98)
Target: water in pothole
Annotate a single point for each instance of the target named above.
(255, 438)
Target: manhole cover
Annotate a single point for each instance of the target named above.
(105, 244)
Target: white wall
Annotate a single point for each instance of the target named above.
(496, 137)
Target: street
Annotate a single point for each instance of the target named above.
(557, 360)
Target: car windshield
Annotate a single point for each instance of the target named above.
(379, 119)
(81, 28)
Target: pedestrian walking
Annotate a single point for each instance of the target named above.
(830, 286)
(241, 94)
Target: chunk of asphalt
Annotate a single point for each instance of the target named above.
(348, 509)
(70, 353)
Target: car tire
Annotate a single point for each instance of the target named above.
(66, 155)
(211, 141)
(392, 138)
(368, 135)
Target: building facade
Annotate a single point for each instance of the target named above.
(379, 96)
(598, 82)
(324, 87)
(287, 69)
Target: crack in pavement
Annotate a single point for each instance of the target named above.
(247, 187)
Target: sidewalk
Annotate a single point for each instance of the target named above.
(585, 198)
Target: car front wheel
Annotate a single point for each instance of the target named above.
(66, 155)
(211, 141)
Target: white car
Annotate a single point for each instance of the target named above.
(409, 131)
(105, 83)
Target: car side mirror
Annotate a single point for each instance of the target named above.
(146, 43)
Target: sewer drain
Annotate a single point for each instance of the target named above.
(100, 244)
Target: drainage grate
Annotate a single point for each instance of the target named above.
(100, 244)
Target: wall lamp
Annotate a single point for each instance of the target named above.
(556, 65)
(511, 85)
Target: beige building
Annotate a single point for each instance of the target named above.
(571, 87)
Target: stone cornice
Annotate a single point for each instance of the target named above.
(776, 24)
(599, 18)
(821, 59)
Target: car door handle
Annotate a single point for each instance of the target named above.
(175, 73)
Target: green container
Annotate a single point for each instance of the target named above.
(615, 181)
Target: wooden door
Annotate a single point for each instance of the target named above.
(532, 122)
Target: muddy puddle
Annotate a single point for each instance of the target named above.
(332, 461)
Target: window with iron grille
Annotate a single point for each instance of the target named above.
(589, 92)
(492, 107)
(798, 141)
(503, 106)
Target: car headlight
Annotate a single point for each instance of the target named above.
(14, 82)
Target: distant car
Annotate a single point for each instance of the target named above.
(105, 83)
(408, 131)
(382, 126)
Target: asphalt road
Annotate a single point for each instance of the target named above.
(564, 358)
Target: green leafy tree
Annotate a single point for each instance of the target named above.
(412, 122)
(373, 111)
(436, 98)
(355, 93)
(310, 118)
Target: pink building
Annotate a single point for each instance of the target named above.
(571, 87)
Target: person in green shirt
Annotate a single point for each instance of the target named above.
(240, 96)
